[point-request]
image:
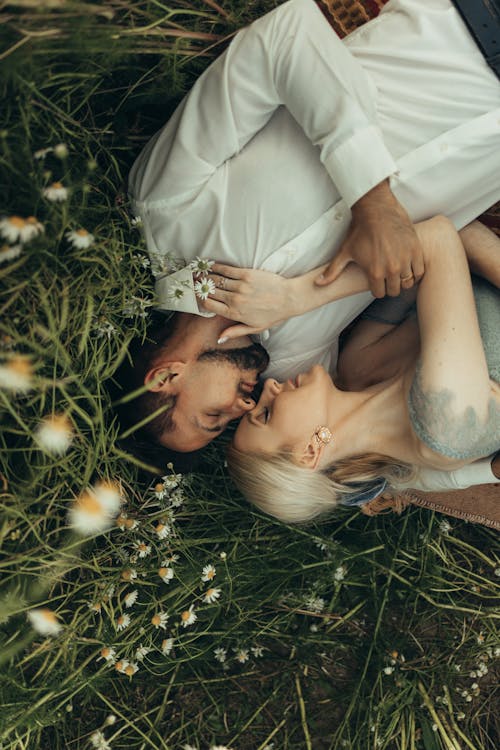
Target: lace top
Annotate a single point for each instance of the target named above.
(462, 436)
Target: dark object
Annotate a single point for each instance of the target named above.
(482, 18)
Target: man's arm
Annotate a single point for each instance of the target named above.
(290, 57)
(382, 241)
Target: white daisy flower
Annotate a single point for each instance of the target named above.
(103, 327)
(31, 229)
(339, 573)
(167, 645)
(171, 481)
(129, 574)
(123, 622)
(160, 491)
(242, 655)
(170, 560)
(208, 573)
(125, 523)
(136, 221)
(144, 261)
(16, 374)
(220, 654)
(41, 153)
(211, 596)
(445, 527)
(219, 747)
(55, 193)
(10, 252)
(79, 238)
(61, 150)
(88, 514)
(388, 670)
(159, 620)
(130, 669)
(204, 287)
(143, 549)
(131, 598)
(54, 434)
(107, 653)
(188, 746)
(163, 530)
(109, 494)
(10, 228)
(177, 498)
(223, 555)
(188, 617)
(137, 307)
(166, 574)
(17, 229)
(176, 291)
(99, 742)
(315, 603)
(257, 651)
(110, 720)
(44, 621)
(200, 265)
(141, 652)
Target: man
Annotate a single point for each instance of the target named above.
(293, 148)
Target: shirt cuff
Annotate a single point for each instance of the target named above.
(176, 292)
(359, 164)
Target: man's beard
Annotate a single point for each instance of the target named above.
(253, 357)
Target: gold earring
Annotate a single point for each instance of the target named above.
(322, 435)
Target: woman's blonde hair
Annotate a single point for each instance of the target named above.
(293, 493)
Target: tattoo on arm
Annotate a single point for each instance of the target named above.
(455, 435)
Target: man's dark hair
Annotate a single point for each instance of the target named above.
(143, 442)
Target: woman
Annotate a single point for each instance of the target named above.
(308, 444)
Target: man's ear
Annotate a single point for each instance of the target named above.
(311, 454)
(165, 377)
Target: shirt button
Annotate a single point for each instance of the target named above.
(338, 216)
(291, 252)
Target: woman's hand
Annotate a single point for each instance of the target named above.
(256, 299)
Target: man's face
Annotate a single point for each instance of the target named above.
(215, 389)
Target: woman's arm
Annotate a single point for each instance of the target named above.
(482, 248)
(454, 407)
(261, 299)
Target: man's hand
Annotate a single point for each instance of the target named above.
(383, 242)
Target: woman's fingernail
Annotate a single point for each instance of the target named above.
(222, 340)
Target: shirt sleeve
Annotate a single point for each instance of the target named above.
(432, 480)
(290, 57)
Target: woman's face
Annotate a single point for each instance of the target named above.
(287, 414)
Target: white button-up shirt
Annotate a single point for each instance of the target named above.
(261, 162)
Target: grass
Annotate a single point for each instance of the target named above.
(354, 633)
